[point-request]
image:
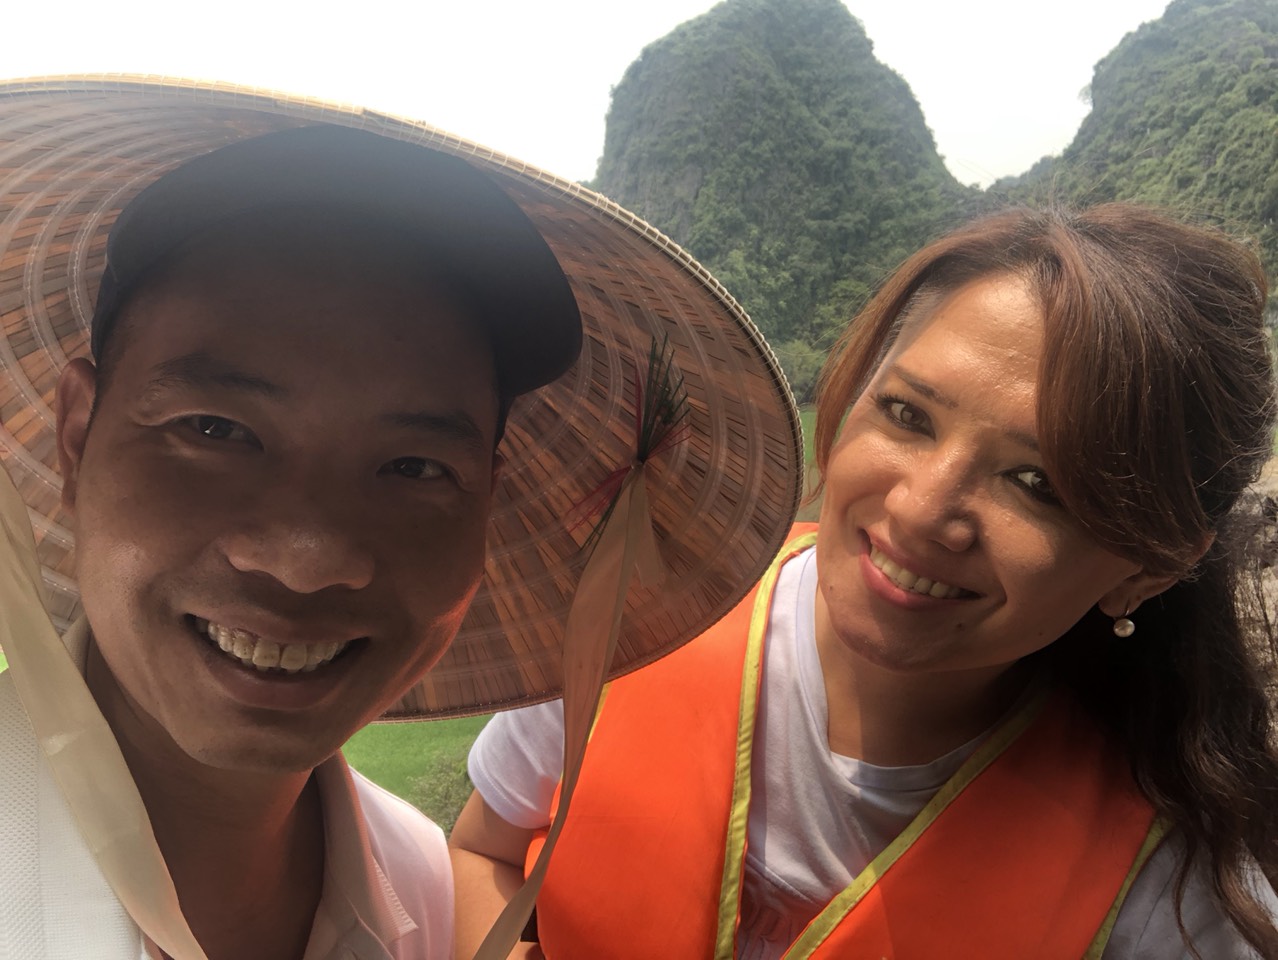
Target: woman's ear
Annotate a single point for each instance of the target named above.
(1141, 586)
(77, 389)
(1131, 593)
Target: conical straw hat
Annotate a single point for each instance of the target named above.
(75, 150)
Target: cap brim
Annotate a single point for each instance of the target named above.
(74, 151)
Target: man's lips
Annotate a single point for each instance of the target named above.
(266, 655)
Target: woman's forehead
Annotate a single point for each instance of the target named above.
(998, 312)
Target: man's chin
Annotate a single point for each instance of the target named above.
(265, 754)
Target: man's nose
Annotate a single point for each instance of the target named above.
(306, 539)
(932, 499)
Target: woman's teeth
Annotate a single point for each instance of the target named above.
(912, 581)
(267, 655)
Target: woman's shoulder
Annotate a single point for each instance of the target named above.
(1146, 927)
(516, 761)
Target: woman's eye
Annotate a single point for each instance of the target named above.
(414, 468)
(219, 428)
(1036, 482)
(904, 413)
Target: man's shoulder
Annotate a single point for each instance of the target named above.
(51, 887)
(16, 736)
(393, 820)
(412, 855)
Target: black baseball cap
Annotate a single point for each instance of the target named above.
(474, 234)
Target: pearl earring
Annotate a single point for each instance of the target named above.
(1123, 626)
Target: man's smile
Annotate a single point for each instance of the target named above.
(265, 655)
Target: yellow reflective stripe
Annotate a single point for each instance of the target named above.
(1157, 830)
(603, 698)
(837, 909)
(739, 812)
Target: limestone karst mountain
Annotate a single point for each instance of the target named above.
(1184, 114)
(766, 137)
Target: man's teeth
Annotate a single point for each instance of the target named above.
(912, 581)
(265, 655)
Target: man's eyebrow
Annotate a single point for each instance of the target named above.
(202, 370)
(455, 425)
(1027, 440)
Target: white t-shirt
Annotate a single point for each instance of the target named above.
(817, 819)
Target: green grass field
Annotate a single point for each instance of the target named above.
(807, 417)
(425, 763)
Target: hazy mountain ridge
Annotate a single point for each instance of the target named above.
(766, 138)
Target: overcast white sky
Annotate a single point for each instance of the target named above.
(998, 80)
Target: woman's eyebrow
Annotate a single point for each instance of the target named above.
(922, 387)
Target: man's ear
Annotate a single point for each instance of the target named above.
(499, 464)
(77, 389)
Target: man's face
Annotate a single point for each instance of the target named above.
(281, 497)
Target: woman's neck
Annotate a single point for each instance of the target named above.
(896, 718)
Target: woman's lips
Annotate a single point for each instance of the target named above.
(913, 582)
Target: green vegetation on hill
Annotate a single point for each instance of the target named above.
(766, 138)
(1185, 115)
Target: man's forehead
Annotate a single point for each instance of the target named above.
(204, 372)
(271, 253)
(245, 297)
(421, 374)
(298, 235)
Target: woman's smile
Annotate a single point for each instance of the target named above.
(937, 501)
(911, 582)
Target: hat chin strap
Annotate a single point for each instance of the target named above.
(77, 742)
(626, 544)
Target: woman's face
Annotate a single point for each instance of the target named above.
(942, 545)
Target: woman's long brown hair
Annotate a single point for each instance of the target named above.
(1156, 411)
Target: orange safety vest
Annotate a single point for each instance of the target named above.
(1026, 852)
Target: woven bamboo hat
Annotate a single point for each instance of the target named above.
(74, 151)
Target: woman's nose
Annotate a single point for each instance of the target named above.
(932, 499)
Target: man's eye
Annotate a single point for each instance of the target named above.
(219, 428)
(1036, 482)
(414, 468)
